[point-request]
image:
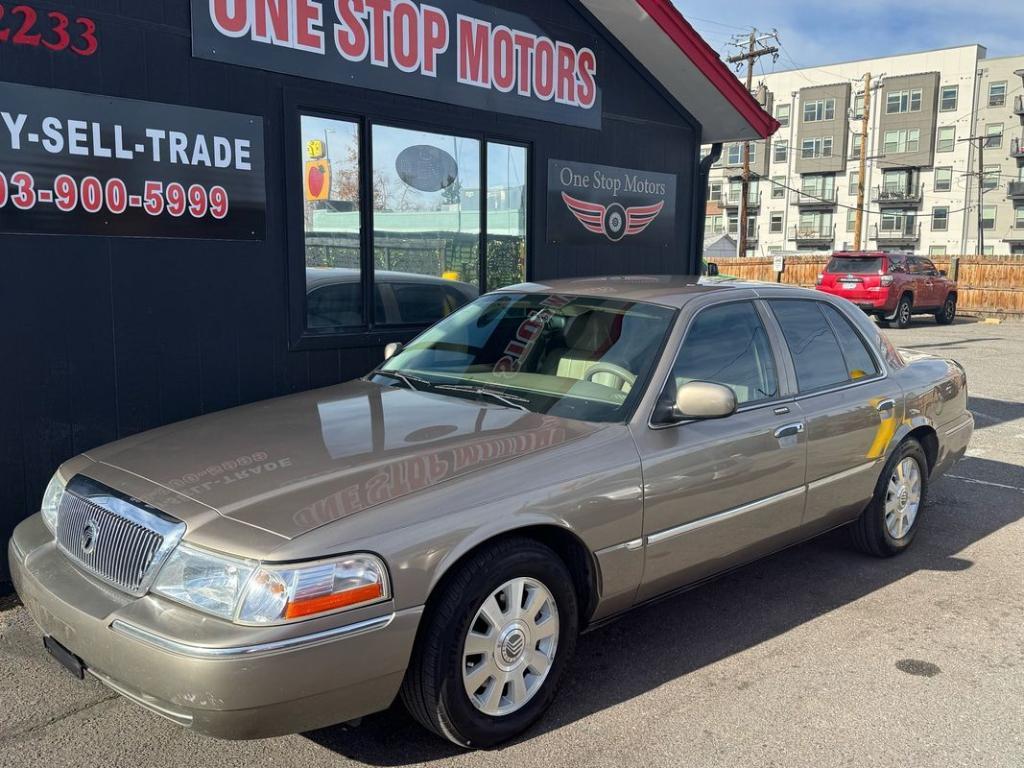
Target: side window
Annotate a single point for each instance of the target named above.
(728, 345)
(859, 362)
(816, 353)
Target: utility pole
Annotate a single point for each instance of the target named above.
(861, 178)
(982, 141)
(755, 50)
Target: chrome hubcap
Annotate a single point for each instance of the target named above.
(510, 647)
(903, 498)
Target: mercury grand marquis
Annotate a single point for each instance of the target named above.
(541, 461)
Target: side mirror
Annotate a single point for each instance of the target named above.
(392, 349)
(704, 400)
(712, 269)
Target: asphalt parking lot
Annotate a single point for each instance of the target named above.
(815, 657)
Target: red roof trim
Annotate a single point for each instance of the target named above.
(672, 23)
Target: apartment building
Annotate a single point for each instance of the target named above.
(921, 171)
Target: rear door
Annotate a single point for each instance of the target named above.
(720, 493)
(849, 407)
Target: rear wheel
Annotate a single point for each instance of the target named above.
(947, 314)
(904, 311)
(889, 524)
(493, 648)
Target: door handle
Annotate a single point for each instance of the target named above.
(887, 405)
(790, 430)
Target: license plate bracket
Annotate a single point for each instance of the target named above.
(67, 659)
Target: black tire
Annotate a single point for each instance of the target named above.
(947, 314)
(433, 690)
(904, 311)
(870, 533)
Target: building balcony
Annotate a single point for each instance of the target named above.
(823, 236)
(1015, 190)
(1017, 149)
(898, 197)
(908, 234)
(732, 200)
(826, 199)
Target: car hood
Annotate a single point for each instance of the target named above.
(290, 465)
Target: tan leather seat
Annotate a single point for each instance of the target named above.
(588, 338)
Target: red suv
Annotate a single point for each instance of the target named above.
(892, 286)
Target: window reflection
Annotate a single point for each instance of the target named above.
(330, 179)
(506, 215)
(426, 223)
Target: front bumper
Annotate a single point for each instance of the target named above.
(206, 674)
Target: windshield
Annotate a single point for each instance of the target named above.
(579, 358)
(852, 266)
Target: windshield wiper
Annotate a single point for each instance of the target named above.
(510, 400)
(404, 378)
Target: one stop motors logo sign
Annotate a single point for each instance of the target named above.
(590, 204)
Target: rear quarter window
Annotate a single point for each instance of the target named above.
(859, 362)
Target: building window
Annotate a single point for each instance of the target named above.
(775, 224)
(732, 219)
(734, 154)
(858, 107)
(507, 215)
(949, 97)
(898, 142)
(856, 145)
(782, 112)
(946, 139)
(900, 222)
(943, 179)
(936, 250)
(988, 250)
(713, 225)
(940, 218)
(990, 176)
(332, 225)
(898, 102)
(813, 148)
(818, 186)
(778, 187)
(851, 220)
(854, 187)
(994, 136)
(817, 111)
(1018, 218)
(988, 217)
(714, 191)
(781, 153)
(997, 94)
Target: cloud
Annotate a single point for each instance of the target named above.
(816, 33)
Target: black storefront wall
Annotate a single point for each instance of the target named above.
(108, 334)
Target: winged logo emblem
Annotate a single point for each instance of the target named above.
(613, 221)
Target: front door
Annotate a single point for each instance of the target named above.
(719, 493)
(849, 407)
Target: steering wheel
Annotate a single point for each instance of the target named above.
(620, 373)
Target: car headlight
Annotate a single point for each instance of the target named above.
(247, 592)
(52, 497)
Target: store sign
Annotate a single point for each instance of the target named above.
(590, 204)
(75, 163)
(453, 51)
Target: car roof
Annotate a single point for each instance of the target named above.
(667, 290)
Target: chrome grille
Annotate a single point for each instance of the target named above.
(115, 539)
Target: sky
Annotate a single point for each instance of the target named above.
(814, 32)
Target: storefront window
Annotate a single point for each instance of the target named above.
(331, 223)
(426, 224)
(507, 197)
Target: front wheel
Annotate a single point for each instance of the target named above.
(889, 524)
(494, 645)
(947, 314)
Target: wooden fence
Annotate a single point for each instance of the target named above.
(990, 285)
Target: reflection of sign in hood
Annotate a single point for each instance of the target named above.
(318, 456)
